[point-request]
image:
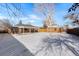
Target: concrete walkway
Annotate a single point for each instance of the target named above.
(10, 46)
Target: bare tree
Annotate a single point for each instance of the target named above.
(6, 24)
(73, 17)
(73, 13)
(45, 8)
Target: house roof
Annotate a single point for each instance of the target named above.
(21, 25)
(25, 26)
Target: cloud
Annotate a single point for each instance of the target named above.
(24, 18)
(31, 17)
(27, 19)
(34, 17)
(3, 17)
(32, 21)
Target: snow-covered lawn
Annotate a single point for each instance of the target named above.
(40, 44)
(50, 43)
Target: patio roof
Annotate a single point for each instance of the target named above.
(25, 26)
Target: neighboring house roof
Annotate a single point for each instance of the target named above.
(71, 27)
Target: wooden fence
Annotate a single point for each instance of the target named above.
(50, 30)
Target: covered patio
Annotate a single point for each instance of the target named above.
(24, 29)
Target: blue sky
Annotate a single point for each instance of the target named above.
(61, 10)
(28, 15)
